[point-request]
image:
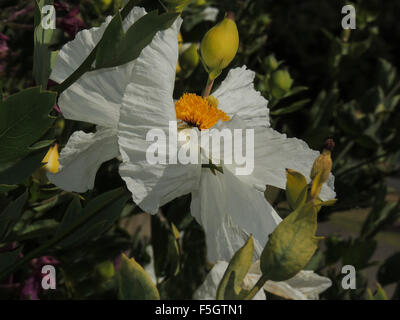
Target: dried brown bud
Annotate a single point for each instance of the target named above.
(329, 144)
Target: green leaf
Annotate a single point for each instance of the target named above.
(292, 244)
(22, 169)
(292, 108)
(24, 118)
(7, 187)
(134, 283)
(165, 247)
(296, 188)
(41, 144)
(106, 216)
(358, 253)
(10, 216)
(389, 271)
(382, 214)
(316, 185)
(9, 258)
(230, 285)
(110, 43)
(40, 229)
(42, 56)
(380, 294)
(117, 47)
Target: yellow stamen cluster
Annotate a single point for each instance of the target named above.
(198, 112)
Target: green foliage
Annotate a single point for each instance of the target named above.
(230, 285)
(166, 247)
(10, 216)
(117, 47)
(24, 118)
(380, 294)
(292, 244)
(320, 82)
(88, 228)
(389, 271)
(296, 188)
(42, 55)
(134, 283)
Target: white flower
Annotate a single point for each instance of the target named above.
(306, 285)
(127, 101)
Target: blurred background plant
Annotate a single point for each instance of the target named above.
(321, 82)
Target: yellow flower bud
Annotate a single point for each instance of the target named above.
(51, 159)
(220, 45)
(323, 163)
(189, 59)
(177, 5)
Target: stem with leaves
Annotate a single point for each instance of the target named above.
(257, 287)
(87, 64)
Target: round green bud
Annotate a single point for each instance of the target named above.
(189, 59)
(177, 5)
(271, 62)
(105, 270)
(280, 83)
(200, 3)
(104, 4)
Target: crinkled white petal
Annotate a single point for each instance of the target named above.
(208, 289)
(237, 95)
(306, 285)
(81, 158)
(148, 104)
(230, 211)
(96, 96)
(273, 152)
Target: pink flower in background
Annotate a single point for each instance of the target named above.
(70, 22)
(33, 285)
(3, 50)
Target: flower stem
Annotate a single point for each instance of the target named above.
(257, 287)
(208, 88)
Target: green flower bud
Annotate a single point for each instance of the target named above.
(220, 45)
(177, 5)
(280, 83)
(105, 270)
(189, 59)
(271, 62)
(200, 3)
(104, 4)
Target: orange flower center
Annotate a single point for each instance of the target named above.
(198, 112)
